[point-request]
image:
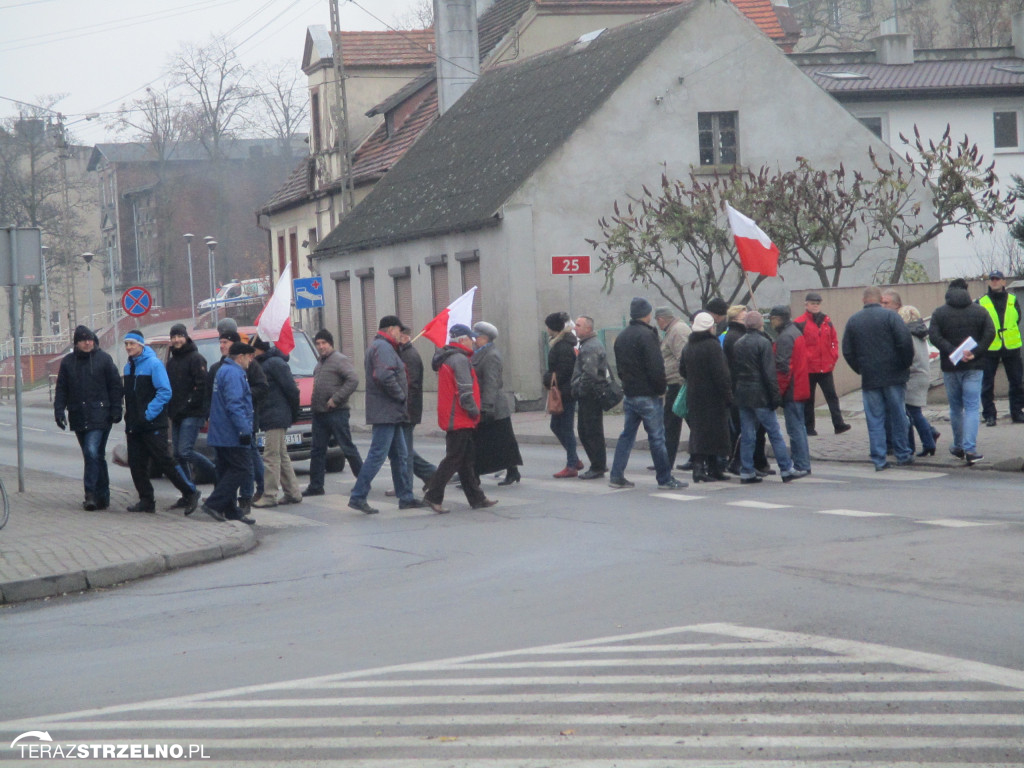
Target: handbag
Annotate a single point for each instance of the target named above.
(554, 405)
(610, 394)
(679, 407)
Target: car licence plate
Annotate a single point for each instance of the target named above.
(293, 438)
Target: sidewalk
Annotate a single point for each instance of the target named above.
(51, 547)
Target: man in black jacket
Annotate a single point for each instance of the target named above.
(186, 369)
(952, 324)
(878, 346)
(641, 371)
(278, 411)
(89, 388)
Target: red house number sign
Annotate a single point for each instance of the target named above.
(570, 265)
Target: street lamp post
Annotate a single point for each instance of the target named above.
(191, 290)
(88, 257)
(211, 246)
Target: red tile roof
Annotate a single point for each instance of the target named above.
(762, 13)
(390, 48)
(379, 152)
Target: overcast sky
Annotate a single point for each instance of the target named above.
(102, 53)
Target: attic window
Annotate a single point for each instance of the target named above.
(844, 75)
(584, 40)
(1013, 69)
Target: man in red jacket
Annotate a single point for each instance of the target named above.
(458, 413)
(822, 344)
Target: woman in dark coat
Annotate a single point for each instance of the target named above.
(496, 446)
(708, 396)
(561, 364)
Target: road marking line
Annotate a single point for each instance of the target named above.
(677, 496)
(951, 523)
(852, 513)
(758, 505)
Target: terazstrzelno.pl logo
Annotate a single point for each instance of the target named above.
(39, 745)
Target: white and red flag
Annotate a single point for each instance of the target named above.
(757, 251)
(275, 321)
(459, 311)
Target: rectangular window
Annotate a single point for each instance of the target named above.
(369, 298)
(403, 299)
(439, 286)
(344, 290)
(1005, 128)
(873, 124)
(471, 277)
(717, 137)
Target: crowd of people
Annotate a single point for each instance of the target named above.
(723, 375)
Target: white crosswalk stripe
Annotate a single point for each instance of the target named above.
(705, 695)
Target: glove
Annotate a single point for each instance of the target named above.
(115, 417)
(61, 422)
(245, 439)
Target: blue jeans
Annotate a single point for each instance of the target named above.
(183, 438)
(887, 404)
(325, 426)
(561, 426)
(963, 390)
(94, 450)
(796, 426)
(388, 441)
(917, 419)
(749, 419)
(649, 411)
(416, 466)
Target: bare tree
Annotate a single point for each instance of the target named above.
(419, 15)
(834, 25)
(282, 106)
(158, 120)
(983, 23)
(215, 81)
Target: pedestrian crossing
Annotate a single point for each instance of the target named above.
(708, 695)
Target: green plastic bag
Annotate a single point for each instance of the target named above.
(679, 407)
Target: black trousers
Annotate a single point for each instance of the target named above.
(234, 466)
(828, 389)
(590, 426)
(673, 424)
(1014, 369)
(146, 446)
(459, 456)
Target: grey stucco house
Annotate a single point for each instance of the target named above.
(521, 168)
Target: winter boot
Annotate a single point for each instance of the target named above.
(715, 464)
(700, 469)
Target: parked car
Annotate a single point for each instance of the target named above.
(302, 360)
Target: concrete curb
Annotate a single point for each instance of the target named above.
(240, 540)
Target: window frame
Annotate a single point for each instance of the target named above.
(716, 130)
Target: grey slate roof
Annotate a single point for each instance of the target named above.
(472, 159)
(189, 151)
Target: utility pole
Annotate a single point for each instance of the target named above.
(65, 216)
(339, 112)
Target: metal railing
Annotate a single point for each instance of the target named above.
(36, 345)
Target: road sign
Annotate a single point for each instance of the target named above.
(136, 301)
(570, 265)
(309, 292)
(21, 256)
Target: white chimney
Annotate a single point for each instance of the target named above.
(458, 49)
(897, 48)
(1018, 34)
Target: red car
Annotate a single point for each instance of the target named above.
(301, 360)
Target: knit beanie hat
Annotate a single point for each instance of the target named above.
(231, 336)
(640, 307)
(703, 322)
(179, 329)
(556, 321)
(717, 306)
(135, 336)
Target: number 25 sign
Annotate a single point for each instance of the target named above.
(570, 265)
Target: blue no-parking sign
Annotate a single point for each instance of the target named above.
(309, 292)
(136, 301)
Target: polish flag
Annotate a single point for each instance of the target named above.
(275, 321)
(459, 311)
(757, 251)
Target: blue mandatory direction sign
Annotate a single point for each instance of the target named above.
(136, 301)
(309, 292)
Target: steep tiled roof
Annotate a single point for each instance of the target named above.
(379, 152)
(389, 48)
(496, 21)
(762, 13)
(921, 77)
(468, 163)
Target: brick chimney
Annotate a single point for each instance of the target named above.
(458, 49)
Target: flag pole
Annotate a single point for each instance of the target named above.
(750, 288)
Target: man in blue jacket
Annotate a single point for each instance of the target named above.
(231, 433)
(147, 390)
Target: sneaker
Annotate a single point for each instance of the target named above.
(312, 492)
(973, 458)
(264, 503)
(142, 506)
(363, 507)
(591, 474)
(192, 502)
(843, 428)
(883, 467)
(958, 452)
(620, 482)
(672, 485)
(179, 504)
(410, 504)
(215, 514)
(750, 480)
(567, 472)
(796, 474)
(485, 504)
